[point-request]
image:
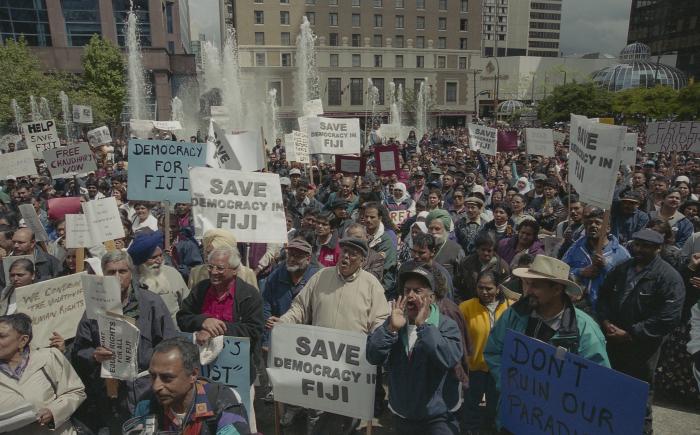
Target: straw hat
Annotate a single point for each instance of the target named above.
(551, 269)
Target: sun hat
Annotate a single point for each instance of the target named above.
(550, 269)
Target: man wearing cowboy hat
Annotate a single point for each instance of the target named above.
(547, 314)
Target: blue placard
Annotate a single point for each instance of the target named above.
(543, 394)
(158, 169)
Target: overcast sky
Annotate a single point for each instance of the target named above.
(587, 25)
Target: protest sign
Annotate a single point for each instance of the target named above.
(232, 367)
(304, 124)
(507, 141)
(322, 368)
(82, 114)
(103, 219)
(40, 136)
(17, 164)
(301, 147)
(54, 305)
(673, 136)
(219, 153)
(399, 216)
(140, 128)
(59, 207)
(594, 159)
(122, 338)
(7, 262)
(167, 125)
(31, 220)
(482, 138)
(289, 150)
(70, 160)
(559, 136)
(350, 165)
(334, 135)
(388, 131)
(248, 203)
(77, 232)
(629, 150)
(547, 390)
(99, 136)
(540, 141)
(102, 295)
(158, 169)
(246, 149)
(313, 108)
(386, 159)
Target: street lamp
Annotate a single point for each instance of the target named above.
(476, 108)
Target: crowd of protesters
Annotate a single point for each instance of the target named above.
(433, 262)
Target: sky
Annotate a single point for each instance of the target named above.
(587, 25)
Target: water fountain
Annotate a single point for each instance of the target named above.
(137, 90)
(306, 86)
(44, 108)
(395, 103)
(273, 127)
(34, 111)
(176, 110)
(18, 115)
(230, 85)
(422, 101)
(67, 114)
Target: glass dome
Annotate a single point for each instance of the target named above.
(636, 71)
(509, 107)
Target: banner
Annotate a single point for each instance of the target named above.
(313, 108)
(99, 136)
(59, 207)
(673, 136)
(122, 338)
(334, 135)
(547, 390)
(247, 203)
(246, 147)
(102, 296)
(17, 164)
(232, 367)
(103, 219)
(629, 150)
(31, 220)
(594, 159)
(539, 142)
(158, 169)
(77, 232)
(40, 136)
(54, 305)
(350, 165)
(70, 160)
(82, 114)
(322, 368)
(482, 138)
(507, 141)
(304, 124)
(399, 216)
(167, 125)
(388, 131)
(386, 159)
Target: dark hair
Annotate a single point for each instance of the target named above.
(310, 212)
(437, 192)
(24, 263)
(672, 190)
(663, 227)
(484, 239)
(424, 240)
(525, 260)
(594, 213)
(495, 275)
(530, 223)
(571, 198)
(20, 322)
(7, 231)
(505, 207)
(189, 353)
(519, 195)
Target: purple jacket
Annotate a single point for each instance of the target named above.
(507, 248)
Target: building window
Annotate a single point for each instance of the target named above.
(258, 1)
(333, 19)
(356, 40)
(378, 22)
(442, 62)
(334, 60)
(420, 62)
(442, 42)
(420, 41)
(82, 21)
(462, 62)
(379, 84)
(335, 92)
(398, 41)
(377, 60)
(377, 3)
(333, 39)
(311, 2)
(376, 40)
(259, 59)
(355, 3)
(171, 47)
(285, 38)
(169, 17)
(284, 2)
(399, 21)
(356, 20)
(399, 4)
(398, 61)
(121, 12)
(464, 6)
(259, 17)
(420, 23)
(543, 44)
(356, 60)
(287, 59)
(544, 16)
(420, 4)
(463, 25)
(400, 83)
(442, 23)
(311, 16)
(462, 43)
(284, 17)
(442, 5)
(450, 92)
(416, 85)
(333, 2)
(259, 38)
(356, 91)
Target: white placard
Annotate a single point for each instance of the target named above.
(31, 220)
(350, 166)
(334, 135)
(559, 136)
(313, 108)
(167, 125)
(122, 338)
(54, 305)
(482, 138)
(140, 128)
(99, 136)
(70, 160)
(289, 150)
(387, 131)
(540, 141)
(102, 295)
(82, 114)
(303, 124)
(17, 164)
(40, 136)
(301, 147)
(629, 151)
(399, 216)
(301, 354)
(387, 160)
(594, 160)
(247, 203)
(78, 232)
(673, 136)
(246, 149)
(103, 219)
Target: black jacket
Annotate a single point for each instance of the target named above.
(247, 315)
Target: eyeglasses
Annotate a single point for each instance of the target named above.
(212, 268)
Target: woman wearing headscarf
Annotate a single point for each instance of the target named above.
(400, 199)
(219, 239)
(405, 250)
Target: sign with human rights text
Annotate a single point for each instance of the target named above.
(322, 368)
(119, 335)
(334, 135)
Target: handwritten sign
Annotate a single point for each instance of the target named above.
(17, 164)
(102, 295)
(350, 165)
(122, 338)
(673, 136)
(232, 367)
(70, 160)
(99, 136)
(334, 135)
(301, 147)
(31, 220)
(40, 136)
(77, 232)
(539, 141)
(399, 216)
(82, 114)
(482, 138)
(167, 125)
(103, 219)
(543, 391)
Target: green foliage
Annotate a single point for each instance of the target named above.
(689, 103)
(580, 98)
(104, 83)
(659, 102)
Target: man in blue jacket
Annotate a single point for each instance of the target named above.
(419, 344)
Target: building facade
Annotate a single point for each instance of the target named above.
(57, 31)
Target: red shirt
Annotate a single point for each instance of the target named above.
(220, 307)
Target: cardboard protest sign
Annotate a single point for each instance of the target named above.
(70, 160)
(539, 141)
(82, 114)
(507, 141)
(289, 150)
(40, 136)
(232, 367)
(7, 262)
(17, 164)
(167, 125)
(122, 338)
(246, 149)
(140, 128)
(482, 138)
(102, 295)
(304, 124)
(334, 135)
(567, 393)
(301, 147)
(386, 159)
(629, 150)
(59, 207)
(388, 131)
(248, 203)
(31, 220)
(322, 368)
(103, 219)
(219, 153)
(399, 216)
(158, 169)
(673, 136)
(78, 232)
(54, 305)
(350, 165)
(313, 108)
(99, 136)
(559, 136)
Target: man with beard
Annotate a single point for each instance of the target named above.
(467, 227)
(163, 280)
(380, 241)
(626, 218)
(571, 229)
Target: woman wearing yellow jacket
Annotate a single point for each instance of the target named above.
(480, 314)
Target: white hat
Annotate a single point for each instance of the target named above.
(478, 188)
(284, 181)
(682, 178)
(294, 171)
(550, 269)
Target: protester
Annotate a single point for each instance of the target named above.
(45, 265)
(219, 239)
(524, 242)
(143, 217)
(448, 253)
(484, 258)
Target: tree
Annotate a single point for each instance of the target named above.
(659, 102)
(580, 98)
(689, 103)
(104, 83)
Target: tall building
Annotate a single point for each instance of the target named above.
(668, 26)
(57, 31)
